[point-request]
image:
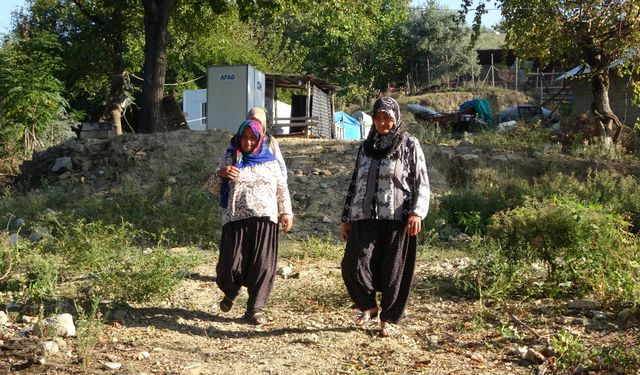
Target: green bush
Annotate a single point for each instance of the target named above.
(471, 209)
(143, 277)
(42, 276)
(179, 216)
(531, 136)
(587, 246)
(620, 193)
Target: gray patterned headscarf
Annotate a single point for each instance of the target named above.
(377, 145)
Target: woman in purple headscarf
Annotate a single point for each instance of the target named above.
(387, 200)
(254, 198)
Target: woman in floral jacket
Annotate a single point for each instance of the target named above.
(254, 198)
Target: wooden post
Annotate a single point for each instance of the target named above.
(493, 78)
(541, 85)
(308, 108)
(274, 113)
(428, 74)
(516, 74)
(332, 114)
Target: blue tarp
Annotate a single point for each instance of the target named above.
(350, 125)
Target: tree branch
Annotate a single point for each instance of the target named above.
(92, 17)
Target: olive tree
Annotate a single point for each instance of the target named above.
(592, 32)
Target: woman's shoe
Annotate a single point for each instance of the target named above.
(387, 329)
(365, 316)
(257, 318)
(226, 304)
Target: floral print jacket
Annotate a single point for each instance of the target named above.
(391, 188)
(259, 191)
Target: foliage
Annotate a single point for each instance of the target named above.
(620, 193)
(525, 136)
(585, 245)
(158, 216)
(432, 34)
(472, 208)
(571, 351)
(96, 38)
(90, 328)
(351, 43)
(142, 277)
(122, 261)
(31, 97)
(315, 248)
(591, 32)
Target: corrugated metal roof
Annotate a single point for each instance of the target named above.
(297, 81)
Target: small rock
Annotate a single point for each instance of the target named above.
(583, 304)
(38, 233)
(4, 319)
(50, 347)
(171, 180)
(326, 219)
(59, 325)
(477, 357)
(626, 314)
(19, 222)
(434, 339)
(61, 164)
(469, 157)
(324, 185)
(26, 319)
(599, 325)
(112, 365)
(143, 355)
(599, 315)
(534, 356)
(285, 271)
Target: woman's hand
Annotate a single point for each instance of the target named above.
(287, 222)
(414, 225)
(229, 172)
(345, 228)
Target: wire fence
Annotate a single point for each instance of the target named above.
(546, 88)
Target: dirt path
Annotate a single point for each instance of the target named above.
(310, 331)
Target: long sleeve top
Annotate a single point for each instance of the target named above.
(391, 188)
(274, 147)
(258, 191)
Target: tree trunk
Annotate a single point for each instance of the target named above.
(117, 96)
(608, 123)
(156, 19)
(113, 28)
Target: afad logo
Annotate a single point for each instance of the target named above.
(227, 77)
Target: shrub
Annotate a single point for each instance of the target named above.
(586, 245)
(143, 277)
(471, 209)
(532, 136)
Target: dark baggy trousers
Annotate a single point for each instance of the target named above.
(380, 256)
(248, 257)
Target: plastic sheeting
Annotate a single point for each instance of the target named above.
(346, 126)
(482, 108)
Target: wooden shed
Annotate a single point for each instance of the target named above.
(311, 113)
